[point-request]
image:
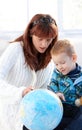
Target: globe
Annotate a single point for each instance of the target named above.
(41, 109)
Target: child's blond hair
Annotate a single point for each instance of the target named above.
(63, 46)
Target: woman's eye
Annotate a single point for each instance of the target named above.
(40, 39)
(49, 40)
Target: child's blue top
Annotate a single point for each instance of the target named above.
(70, 85)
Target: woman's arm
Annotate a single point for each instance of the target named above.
(7, 61)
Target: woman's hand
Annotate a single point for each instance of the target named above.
(61, 96)
(27, 90)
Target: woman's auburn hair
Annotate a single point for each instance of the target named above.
(42, 30)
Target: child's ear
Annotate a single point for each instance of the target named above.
(74, 57)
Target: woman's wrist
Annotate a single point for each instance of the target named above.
(27, 90)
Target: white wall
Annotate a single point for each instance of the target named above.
(42, 6)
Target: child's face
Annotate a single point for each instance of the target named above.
(64, 63)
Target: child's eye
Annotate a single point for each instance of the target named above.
(63, 62)
(56, 64)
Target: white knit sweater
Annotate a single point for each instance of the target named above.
(15, 75)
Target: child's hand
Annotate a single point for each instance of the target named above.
(61, 96)
(27, 90)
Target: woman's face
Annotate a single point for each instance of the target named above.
(41, 44)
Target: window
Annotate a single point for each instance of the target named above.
(13, 15)
(43, 6)
(70, 16)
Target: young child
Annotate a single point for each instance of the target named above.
(66, 82)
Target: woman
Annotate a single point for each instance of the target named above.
(25, 65)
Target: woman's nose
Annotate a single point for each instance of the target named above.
(44, 44)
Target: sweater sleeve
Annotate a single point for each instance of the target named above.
(7, 60)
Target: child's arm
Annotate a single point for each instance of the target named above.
(53, 86)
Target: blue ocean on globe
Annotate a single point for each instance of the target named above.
(41, 109)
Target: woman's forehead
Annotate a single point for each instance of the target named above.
(45, 37)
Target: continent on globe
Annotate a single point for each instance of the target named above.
(41, 109)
